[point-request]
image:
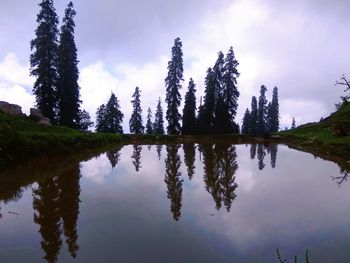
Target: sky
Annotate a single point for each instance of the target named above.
(300, 46)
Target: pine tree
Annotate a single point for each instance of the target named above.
(262, 112)
(273, 112)
(200, 118)
(230, 92)
(158, 120)
(135, 123)
(246, 122)
(222, 123)
(209, 102)
(253, 117)
(43, 60)
(149, 124)
(109, 118)
(173, 85)
(293, 123)
(219, 72)
(101, 125)
(189, 111)
(68, 73)
(84, 120)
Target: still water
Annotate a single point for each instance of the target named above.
(177, 203)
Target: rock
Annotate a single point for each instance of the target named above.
(45, 121)
(36, 115)
(12, 109)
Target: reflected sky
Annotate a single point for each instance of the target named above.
(181, 203)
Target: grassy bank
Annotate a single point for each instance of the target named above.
(320, 137)
(22, 139)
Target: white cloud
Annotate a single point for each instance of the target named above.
(15, 83)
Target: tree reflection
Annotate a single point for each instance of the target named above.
(190, 157)
(173, 180)
(252, 151)
(114, 156)
(46, 205)
(159, 148)
(220, 166)
(69, 186)
(56, 205)
(136, 157)
(344, 174)
(226, 168)
(273, 154)
(261, 155)
(211, 177)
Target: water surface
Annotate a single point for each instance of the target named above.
(177, 203)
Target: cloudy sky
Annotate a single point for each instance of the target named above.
(300, 46)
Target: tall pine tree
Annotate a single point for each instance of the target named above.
(189, 111)
(149, 124)
(262, 112)
(173, 85)
(246, 122)
(253, 116)
(230, 91)
(209, 102)
(135, 123)
(68, 73)
(43, 60)
(158, 119)
(274, 112)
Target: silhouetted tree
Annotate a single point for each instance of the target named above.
(173, 180)
(262, 112)
(84, 120)
(246, 122)
(219, 71)
(344, 82)
(158, 120)
(230, 91)
(209, 102)
(173, 85)
(189, 111)
(200, 120)
(273, 112)
(135, 123)
(46, 205)
(109, 118)
(254, 117)
(136, 157)
(261, 155)
(43, 60)
(190, 158)
(101, 122)
(149, 124)
(68, 73)
(293, 123)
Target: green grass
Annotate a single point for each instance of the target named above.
(22, 139)
(320, 135)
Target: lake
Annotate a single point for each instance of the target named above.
(177, 203)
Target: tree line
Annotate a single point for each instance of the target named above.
(54, 63)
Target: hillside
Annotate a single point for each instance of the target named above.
(22, 139)
(331, 135)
